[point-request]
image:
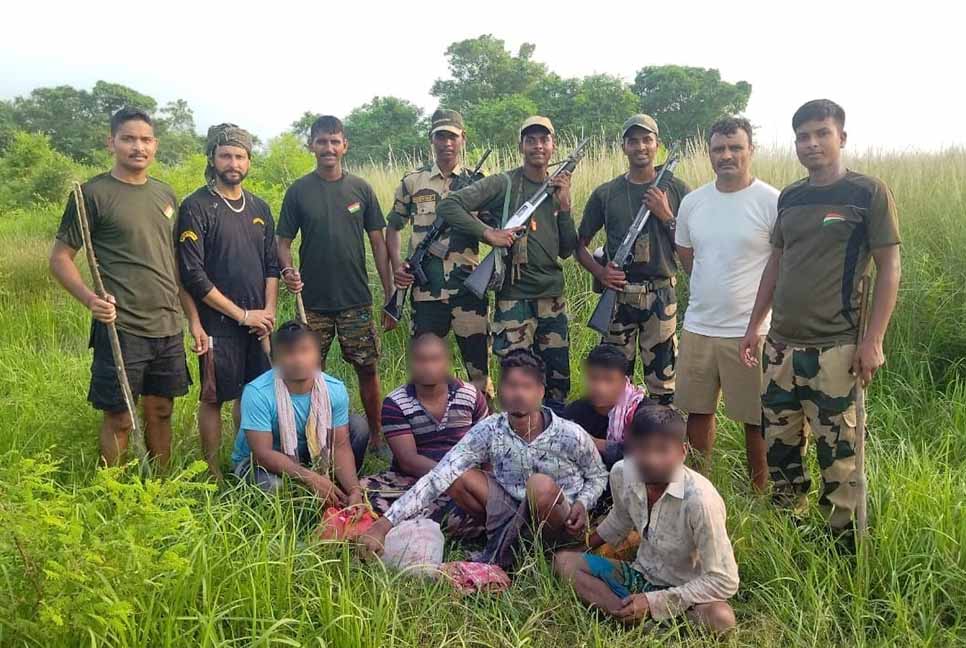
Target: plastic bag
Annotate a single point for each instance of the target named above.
(415, 546)
(472, 577)
(337, 524)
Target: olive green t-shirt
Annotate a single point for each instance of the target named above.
(550, 235)
(334, 217)
(132, 231)
(613, 206)
(826, 235)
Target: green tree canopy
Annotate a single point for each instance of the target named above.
(685, 101)
(386, 125)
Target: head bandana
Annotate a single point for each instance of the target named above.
(224, 135)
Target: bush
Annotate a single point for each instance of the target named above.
(75, 557)
(33, 172)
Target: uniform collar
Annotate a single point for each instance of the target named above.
(434, 171)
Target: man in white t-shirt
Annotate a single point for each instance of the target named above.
(722, 240)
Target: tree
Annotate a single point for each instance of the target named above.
(33, 172)
(384, 126)
(8, 124)
(482, 70)
(600, 106)
(301, 126)
(497, 122)
(175, 128)
(685, 101)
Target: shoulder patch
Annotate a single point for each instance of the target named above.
(187, 235)
(258, 221)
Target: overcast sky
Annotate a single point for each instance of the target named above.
(899, 72)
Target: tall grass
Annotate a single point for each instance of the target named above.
(248, 572)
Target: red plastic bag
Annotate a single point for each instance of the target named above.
(337, 524)
(472, 577)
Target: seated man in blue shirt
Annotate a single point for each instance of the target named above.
(294, 418)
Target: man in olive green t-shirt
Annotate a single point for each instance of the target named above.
(830, 225)
(530, 308)
(645, 320)
(132, 219)
(334, 211)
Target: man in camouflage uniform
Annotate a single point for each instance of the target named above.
(830, 225)
(646, 316)
(444, 303)
(530, 309)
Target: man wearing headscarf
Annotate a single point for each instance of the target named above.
(228, 263)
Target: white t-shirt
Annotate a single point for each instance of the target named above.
(729, 233)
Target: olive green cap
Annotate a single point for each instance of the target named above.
(446, 120)
(641, 121)
(537, 120)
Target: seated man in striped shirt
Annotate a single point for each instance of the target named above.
(422, 421)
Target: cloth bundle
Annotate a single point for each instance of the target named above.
(344, 523)
(472, 577)
(414, 546)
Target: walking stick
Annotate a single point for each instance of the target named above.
(137, 440)
(861, 510)
(300, 308)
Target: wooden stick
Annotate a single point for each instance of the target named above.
(137, 440)
(300, 308)
(861, 509)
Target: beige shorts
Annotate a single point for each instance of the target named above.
(710, 366)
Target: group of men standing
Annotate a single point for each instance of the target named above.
(749, 250)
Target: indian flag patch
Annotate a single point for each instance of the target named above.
(168, 211)
(832, 217)
(354, 207)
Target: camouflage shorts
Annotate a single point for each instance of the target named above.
(539, 325)
(646, 321)
(811, 388)
(356, 330)
(467, 316)
(383, 489)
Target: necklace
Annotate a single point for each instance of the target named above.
(237, 211)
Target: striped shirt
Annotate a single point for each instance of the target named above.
(402, 413)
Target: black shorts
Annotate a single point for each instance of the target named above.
(155, 367)
(232, 361)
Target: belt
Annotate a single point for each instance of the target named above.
(636, 294)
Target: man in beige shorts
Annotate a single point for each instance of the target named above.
(722, 240)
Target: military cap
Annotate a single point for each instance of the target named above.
(446, 120)
(641, 121)
(537, 120)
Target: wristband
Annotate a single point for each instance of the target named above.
(241, 322)
(287, 269)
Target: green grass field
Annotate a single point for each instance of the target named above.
(100, 558)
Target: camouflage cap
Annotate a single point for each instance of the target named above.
(224, 135)
(641, 121)
(446, 120)
(537, 120)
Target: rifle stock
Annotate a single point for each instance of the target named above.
(479, 280)
(604, 312)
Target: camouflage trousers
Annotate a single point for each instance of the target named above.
(645, 321)
(540, 326)
(811, 388)
(356, 331)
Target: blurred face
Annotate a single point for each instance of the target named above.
(819, 143)
(604, 386)
(429, 364)
(731, 154)
(656, 458)
(521, 392)
(328, 149)
(134, 145)
(447, 147)
(640, 147)
(300, 360)
(537, 147)
(231, 164)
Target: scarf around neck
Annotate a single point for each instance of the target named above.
(621, 414)
(317, 425)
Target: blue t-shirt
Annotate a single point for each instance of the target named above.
(259, 413)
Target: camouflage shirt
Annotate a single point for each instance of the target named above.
(454, 256)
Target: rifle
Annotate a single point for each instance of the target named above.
(489, 274)
(394, 305)
(603, 314)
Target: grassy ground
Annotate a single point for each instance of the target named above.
(102, 558)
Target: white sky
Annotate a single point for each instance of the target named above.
(897, 68)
